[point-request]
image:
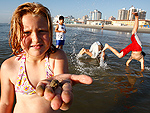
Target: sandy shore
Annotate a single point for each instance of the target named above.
(110, 27)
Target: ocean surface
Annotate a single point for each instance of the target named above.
(115, 88)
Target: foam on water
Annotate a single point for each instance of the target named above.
(81, 65)
(147, 68)
(102, 63)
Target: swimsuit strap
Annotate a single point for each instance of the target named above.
(49, 72)
(23, 85)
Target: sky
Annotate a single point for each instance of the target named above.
(76, 8)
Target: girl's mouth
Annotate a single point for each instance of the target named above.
(37, 46)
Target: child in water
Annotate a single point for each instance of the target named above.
(60, 33)
(95, 50)
(135, 46)
(35, 60)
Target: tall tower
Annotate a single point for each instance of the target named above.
(132, 9)
(95, 15)
(142, 14)
(122, 14)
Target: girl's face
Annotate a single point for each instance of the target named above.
(36, 40)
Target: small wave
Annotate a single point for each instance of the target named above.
(102, 63)
(79, 56)
(81, 65)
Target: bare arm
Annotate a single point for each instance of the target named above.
(56, 29)
(88, 52)
(128, 61)
(7, 90)
(65, 31)
(136, 24)
(83, 51)
(60, 62)
(103, 56)
(142, 64)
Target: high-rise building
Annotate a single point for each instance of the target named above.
(85, 17)
(122, 14)
(95, 15)
(142, 14)
(132, 9)
(111, 18)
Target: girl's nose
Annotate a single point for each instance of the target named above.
(35, 37)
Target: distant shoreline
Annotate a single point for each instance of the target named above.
(110, 27)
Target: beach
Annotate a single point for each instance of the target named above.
(110, 27)
(115, 88)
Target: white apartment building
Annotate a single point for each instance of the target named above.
(95, 15)
(131, 16)
(142, 14)
(124, 14)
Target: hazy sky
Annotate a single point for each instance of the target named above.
(76, 8)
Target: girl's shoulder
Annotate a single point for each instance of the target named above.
(58, 54)
(10, 63)
(59, 57)
(10, 68)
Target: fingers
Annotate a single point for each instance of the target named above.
(67, 92)
(49, 93)
(83, 79)
(40, 89)
(64, 96)
(56, 102)
(61, 97)
(67, 96)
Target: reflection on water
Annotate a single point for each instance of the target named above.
(115, 88)
(127, 87)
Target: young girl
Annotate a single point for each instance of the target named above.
(35, 59)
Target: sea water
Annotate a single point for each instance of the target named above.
(115, 88)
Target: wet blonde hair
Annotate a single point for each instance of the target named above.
(16, 27)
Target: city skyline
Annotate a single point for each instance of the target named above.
(77, 9)
(126, 14)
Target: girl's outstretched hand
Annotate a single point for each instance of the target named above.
(60, 93)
